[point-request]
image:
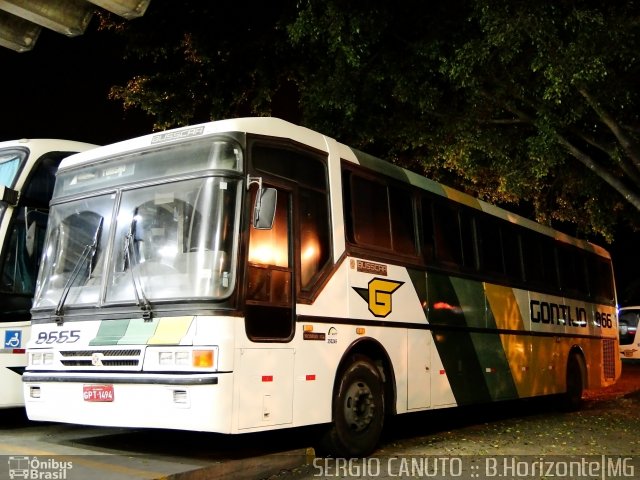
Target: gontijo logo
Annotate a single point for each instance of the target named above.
(378, 295)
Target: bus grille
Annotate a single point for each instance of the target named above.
(609, 358)
(101, 358)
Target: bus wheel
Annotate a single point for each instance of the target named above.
(358, 411)
(572, 398)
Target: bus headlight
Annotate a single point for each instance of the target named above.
(180, 358)
(165, 358)
(40, 358)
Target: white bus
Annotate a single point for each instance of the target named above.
(628, 321)
(27, 175)
(249, 274)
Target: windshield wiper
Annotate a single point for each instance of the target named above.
(138, 291)
(88, 253)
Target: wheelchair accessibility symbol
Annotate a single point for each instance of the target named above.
(12, 338)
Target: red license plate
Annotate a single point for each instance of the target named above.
(97, 393)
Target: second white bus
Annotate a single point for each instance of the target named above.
(27, 175)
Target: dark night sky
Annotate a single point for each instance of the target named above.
(60, 88)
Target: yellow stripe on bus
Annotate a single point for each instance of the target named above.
(170, 330)
(504, 307)
(460, 197)
(507, 315)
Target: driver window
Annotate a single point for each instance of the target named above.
(269, 273)
(269, 313)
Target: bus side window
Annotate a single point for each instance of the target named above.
(447, 234)
(370, 213)
(314, 235)
(427, 229)
(402, 221)
(573, 275)
(39, 188)
(468, 239)
(512, 253)
(536, 252)
(19, 268)
(600, 279)
(305, 171)
(490, 246)
(379, 215)
(550, 263)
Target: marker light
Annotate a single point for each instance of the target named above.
(202, 358)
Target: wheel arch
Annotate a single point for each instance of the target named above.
(578, 352)
(372, 349)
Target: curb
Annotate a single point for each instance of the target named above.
(249, 468)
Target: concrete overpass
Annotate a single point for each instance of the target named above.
(21, 21)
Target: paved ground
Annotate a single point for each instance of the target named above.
(476, 442)
(458, 442)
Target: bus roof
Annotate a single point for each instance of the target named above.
(276, 127)
(257, 125)
(41, 145)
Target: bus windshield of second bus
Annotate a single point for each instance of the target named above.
(27, 176)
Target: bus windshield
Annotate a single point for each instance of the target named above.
(10, 161)
(174, 239)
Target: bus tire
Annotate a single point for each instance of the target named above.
(358, 411)
(572, 398)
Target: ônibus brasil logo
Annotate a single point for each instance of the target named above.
(33, 468)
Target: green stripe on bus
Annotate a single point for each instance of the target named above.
(380, 166)
(470, 294)
(455, 346)
(110, 332)
(496, 370)
(501, 383)
(419, 281)
(487, 345)
(475, 361)
(139, 332)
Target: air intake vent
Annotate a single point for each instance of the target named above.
(125, 359)
(609, 358)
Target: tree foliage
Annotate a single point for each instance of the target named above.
(198, 61)
(533, 104)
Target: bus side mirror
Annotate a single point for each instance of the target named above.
(9, 196)
(264, 211)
